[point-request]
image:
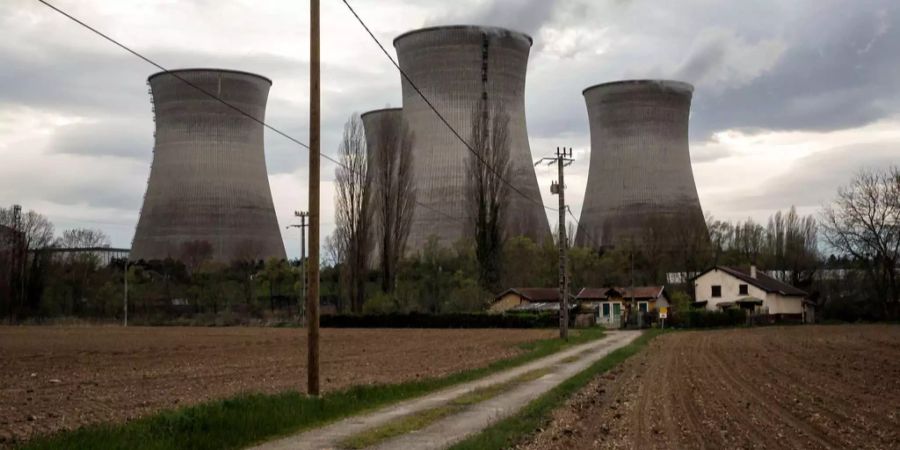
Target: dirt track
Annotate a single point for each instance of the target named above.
(55, 378)
(792, 387)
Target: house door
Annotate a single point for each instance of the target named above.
(617, 310)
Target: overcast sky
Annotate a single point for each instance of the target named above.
(791, 97)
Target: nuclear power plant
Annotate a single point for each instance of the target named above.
(457, 68)
(208, 181)
(640, 172)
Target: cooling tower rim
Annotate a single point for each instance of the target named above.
(464, 27)
(208, 69)
(671, 84)
(374, 111)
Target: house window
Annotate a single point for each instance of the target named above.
(742, 289)
(642, 306)
(716, 290)
(606, 310)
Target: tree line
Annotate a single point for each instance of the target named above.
(846, 256)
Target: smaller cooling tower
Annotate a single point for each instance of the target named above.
(373, 124)
(208, 181)
(640, 172)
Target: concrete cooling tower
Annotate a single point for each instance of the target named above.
(208, 181)
(640, 172)
(456, 67)
(373, 124)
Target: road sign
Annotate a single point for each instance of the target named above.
(663, 312)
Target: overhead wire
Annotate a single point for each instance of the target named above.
(217, 98)
(441, 116)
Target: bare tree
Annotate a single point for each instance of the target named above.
(864, 222)
(488, 194)
(79, 266)
(353, 212)
(36, 230)
(30, 231)
(394, 193)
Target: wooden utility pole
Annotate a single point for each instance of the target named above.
(303, 282)
(562, 159)
(312, 300)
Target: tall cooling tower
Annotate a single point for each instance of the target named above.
(640, 173)
(456, 67)
(208, 181)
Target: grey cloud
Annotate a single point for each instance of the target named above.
(822, 82)
(527, 16)
(125, 138)
(816, 178)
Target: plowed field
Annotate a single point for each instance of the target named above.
(790, 387)
(54, 378)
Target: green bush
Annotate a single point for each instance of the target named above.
(701, 318)
(453, 320)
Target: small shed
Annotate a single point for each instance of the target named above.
(528, 299)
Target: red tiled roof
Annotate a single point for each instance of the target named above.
(761, 281)
(640, 293)
(534, 294)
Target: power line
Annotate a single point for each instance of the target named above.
(215, 97)
(441, 116)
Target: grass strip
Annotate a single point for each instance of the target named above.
(251, 418)
(513, 430)
(421, 419)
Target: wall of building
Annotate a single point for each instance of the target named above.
(456, 67)
(773, 303)
(506, 302)
(208, 180)
(780, 304)
(730, 289)
(640, 172)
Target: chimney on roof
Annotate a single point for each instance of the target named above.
(752, 271)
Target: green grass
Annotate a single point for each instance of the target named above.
(251, 418)
(512, 430)
(421, 419)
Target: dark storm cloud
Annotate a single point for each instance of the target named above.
(841, 71)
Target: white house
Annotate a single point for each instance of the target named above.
(727, 287)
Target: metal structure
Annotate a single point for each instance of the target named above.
(640, 175)
(456, 68)
(303, 215)
(208, 181)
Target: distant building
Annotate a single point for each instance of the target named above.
(610, 304)
(528, 299)
(724, 287)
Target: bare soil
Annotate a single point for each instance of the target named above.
(55, 378)
(778, 387)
